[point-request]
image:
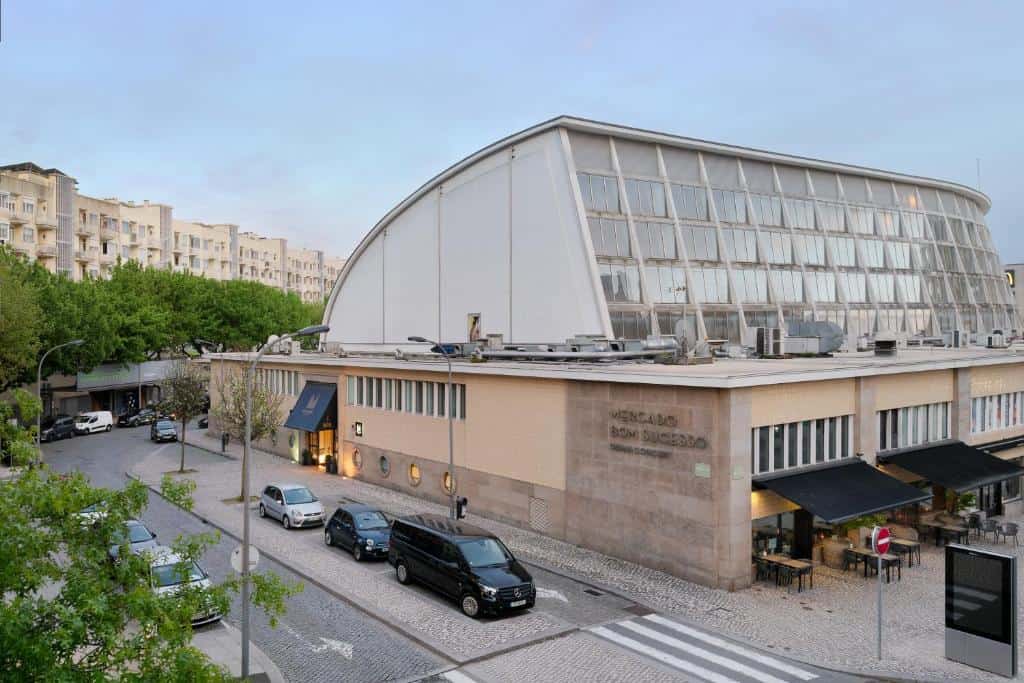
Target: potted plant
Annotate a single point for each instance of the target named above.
(307, 457)
(331, 464)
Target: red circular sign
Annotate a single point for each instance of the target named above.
(880, 540)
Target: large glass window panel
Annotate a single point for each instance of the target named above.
(630, 324)
(799, 213)
(780, 247)
(862, 220)
(691, 202)
(843, 251)
(833, 218)
(959, 233)
(884, 287)
(711, 285)
(767, 209)
(899, 255)
(888, 222)
(667, 283)
(938, 226)
(600, 193)
(610, 237)
(823, 286)
(874, 253)
(751, 286)
(911, 286)
(970, 263)
(646, 197)
(701, 243)
(855, 286)
(621, 282)
(788, 286)
(812, 248)
(924, 257)
(936, 289)
(913, 225)
(948, 256)
(657, 240)
(740, 245)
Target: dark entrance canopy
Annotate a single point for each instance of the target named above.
(954, 465)
(844, 491)
(309, 410)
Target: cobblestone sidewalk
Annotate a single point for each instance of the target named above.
(832, 625)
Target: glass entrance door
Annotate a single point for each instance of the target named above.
(320, 444)
(990, 499)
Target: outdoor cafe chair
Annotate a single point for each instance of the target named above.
(990, 526)
(1007, 530)
(974, 524)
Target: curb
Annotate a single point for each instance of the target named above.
(224, 454)
(306, 577)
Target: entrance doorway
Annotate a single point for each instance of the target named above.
(990, 499)
(321, 443)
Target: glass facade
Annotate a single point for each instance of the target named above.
(725, 254)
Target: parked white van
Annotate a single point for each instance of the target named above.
(95, 421)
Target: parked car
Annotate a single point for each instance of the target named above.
(134, 419)
(170, 574)
(92, 514)
(361, 529)
(57, 427)
(461, 561)
(95, 421)
(204, 422)
(293, 504)
(163, 430)
(138, 537)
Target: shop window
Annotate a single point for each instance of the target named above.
(414, 474)
(1011, 487)
(385, 465)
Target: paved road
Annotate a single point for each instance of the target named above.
(319, 639)
(588, 634)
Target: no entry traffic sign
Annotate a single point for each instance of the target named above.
(880, 539)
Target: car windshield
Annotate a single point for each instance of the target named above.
(484, 552)
(370, 520)
(299, 496)
(165, 424)
(172, 574)
(47, 423)
(137, 533)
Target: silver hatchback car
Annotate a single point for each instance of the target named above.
(293, 504)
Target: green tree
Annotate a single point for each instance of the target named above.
(230, 410)
(20, 324)
(69, 614)
(184, 396)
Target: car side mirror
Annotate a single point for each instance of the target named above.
(154, 534)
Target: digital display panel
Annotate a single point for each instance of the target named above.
(979, 596)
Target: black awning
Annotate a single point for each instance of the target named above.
(843, 492)
(954, 464)
(309, 410)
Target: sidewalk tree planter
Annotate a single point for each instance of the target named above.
(229, 411)
(184, 392)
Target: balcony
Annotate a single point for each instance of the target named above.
(19, 218)
(20, 248)
(46, 251)
(82, 230)
(82, 255)
(108, 233)
(108, 257)
(46, 223)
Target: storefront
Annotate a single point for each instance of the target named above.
(123, 388)
(314, 418)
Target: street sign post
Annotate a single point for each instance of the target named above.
(880, 538)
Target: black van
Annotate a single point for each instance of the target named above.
(461, 561)
(58, 427)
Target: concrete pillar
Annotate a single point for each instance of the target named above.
(865, 432)
(960, 411)
(731, 489)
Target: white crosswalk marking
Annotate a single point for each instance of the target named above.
(664, 657)
(457, 677)
(724, 662)
(732, 647)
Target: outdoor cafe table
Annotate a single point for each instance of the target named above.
(941, 530)
(868, 556)
(901, 546)
(797, 567)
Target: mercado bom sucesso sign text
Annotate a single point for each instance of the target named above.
(649, 433)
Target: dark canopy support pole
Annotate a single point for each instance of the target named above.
(938, 497)
(803, 534)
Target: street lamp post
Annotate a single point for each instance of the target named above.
(450, 407)
(39, 395)
(246, 474)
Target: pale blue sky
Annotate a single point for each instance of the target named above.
(311, 120)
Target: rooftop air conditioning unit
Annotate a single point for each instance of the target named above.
(294, 348)
(768, 341)
(995, 340)
(958, 339)
(886, 344)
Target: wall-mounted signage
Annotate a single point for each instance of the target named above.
(649, 433)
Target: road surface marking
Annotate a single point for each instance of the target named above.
(663, 657)
(732, 647)
(457, 677)
(551, 593)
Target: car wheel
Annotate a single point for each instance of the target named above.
(402, 574)
(327, 538)
(285, 521)
(263, 511)
(357, 552)
(470, 605)
(109, 427)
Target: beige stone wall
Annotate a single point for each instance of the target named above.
(782, 403)
(997, 379)
(897, 391)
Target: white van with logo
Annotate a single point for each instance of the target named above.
(95, 421)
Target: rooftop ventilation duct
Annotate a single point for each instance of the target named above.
(885, 344)
(830, 335)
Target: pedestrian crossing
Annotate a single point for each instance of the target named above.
(700, 655)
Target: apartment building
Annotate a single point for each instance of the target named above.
(45, 219)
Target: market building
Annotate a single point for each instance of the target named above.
(568, 269)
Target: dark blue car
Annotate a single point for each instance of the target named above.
(361, 529)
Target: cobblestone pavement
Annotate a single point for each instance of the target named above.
(832, 625)
(318, 639)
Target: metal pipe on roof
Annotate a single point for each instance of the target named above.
(577, 355)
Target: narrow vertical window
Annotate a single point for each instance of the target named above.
(793, 445)
(764, 449)
(845, 452)
(431, 388)
(442, 391)
(819, 441)
(462, 401)
(350, 383)
(387, 394)
(419, 398)
(778, 447)
(359, 391)
(378, 392)
(805, 442)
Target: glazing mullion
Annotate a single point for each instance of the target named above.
(634, 243)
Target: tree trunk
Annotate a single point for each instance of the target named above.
(181, 468)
